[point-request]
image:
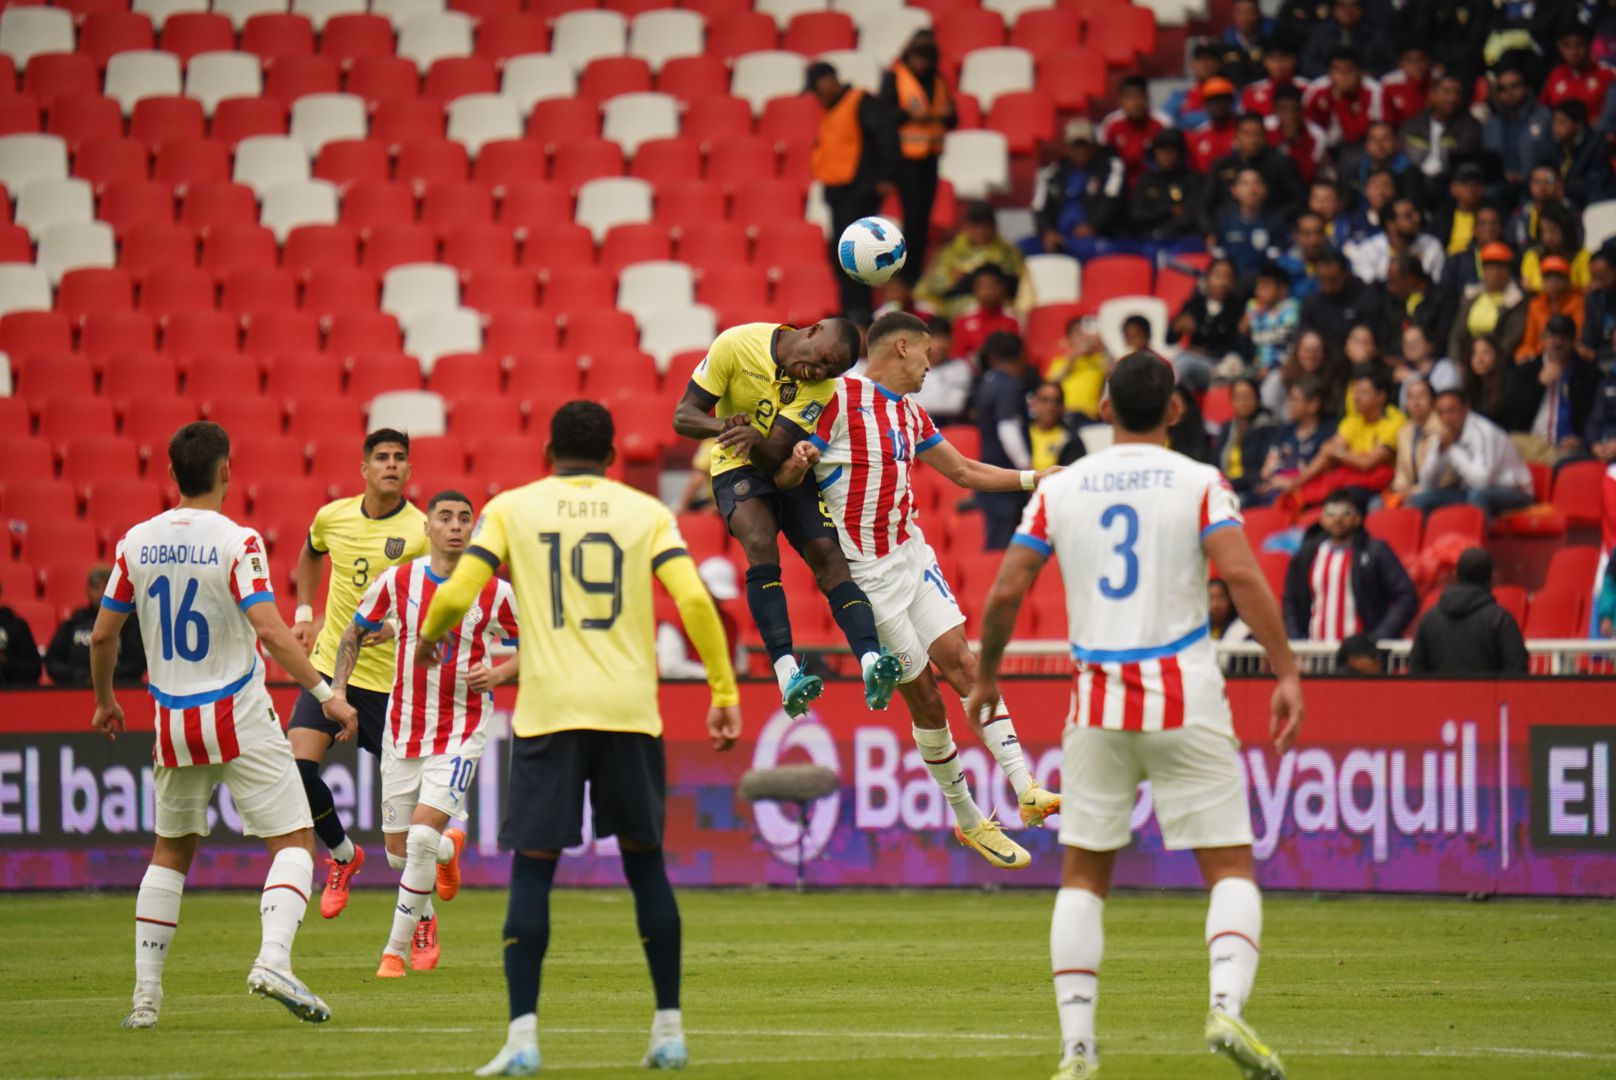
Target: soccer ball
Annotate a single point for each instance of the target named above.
(871, 250)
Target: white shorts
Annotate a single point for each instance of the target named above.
(912, 602)
(1195, 781)
(441, 781)
(263, 782)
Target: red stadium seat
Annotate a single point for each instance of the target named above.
(367, 206)
(239, 118)
(437, 454)
(103, 33)
(253, 290)
(558, 247)
(351, 37)
(370, 374)
(277, 333)
(15, 245)
(735, 163)
(292, 77)
(1399, 528)
(705, 534)
(99, 458)
(1125, 34)
(467, 375)
(312, 247)
(92, 289)
(1040, 30)
(1572, 568)
(1578, 493)
(598, 331)
(1466, 521)
(1025, 119)
(115, 161)
(1557, 613)
(360, 332)
(28, 502)
(481, 247)
(582, 160)
(125, 206)
(113, 507)
(320, 418)
(766, 202)
(965, 30)
(625, 244)
(60, 390)
(519, 333)
(227, 248)
(151, 421)
(715, 9)
(213, 378)
(1115, 275)
(491, 289)
(733, 285)
(294, 377)
(540, 204)
(713, 244)
(608, 76)
(806, 294)
(135, 376)
(689, 202)
(353, 161)
(788, 243)
(288, 498)
(218, 203)
(456, 76)
(1073, 77)
(643, 431)
(191, 161)
(48, 76)
(168, 288)
(431, 161)
(1512, 598)
(186, 33)
(450, 206)
(393, 245)
(663, 160)
(580, 289)
(790, 118)
(190, 334)
(258, 414)
(23, 457)
(484, 417)
(277, 39)
(730, 36)
(815, 32)
(59, 541)
(81, 118)
(483, 10)
(19, 115)
(690, 78)
(26, 332)
(332, 293)
(109, 333)
(383, 81)
(518, 457)
(500, 37)
(505, 162)
(709, 119)
(619, 371)
(14, 417)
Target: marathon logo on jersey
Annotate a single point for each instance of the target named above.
(1571, 793)
(395, 547)
(788, 393)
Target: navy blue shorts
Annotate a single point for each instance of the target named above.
(799, 512)
(544, 801)
(371, 705)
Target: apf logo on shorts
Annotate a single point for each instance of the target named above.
(779, 738)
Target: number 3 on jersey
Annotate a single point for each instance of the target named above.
(1129, 517)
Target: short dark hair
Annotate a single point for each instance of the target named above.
(582, 431)
(1410, 266)
(195, 452)
(1330, 257)
(1140, 387)
(1001, 345)
(1137, 322)
(1288, 92)
(1449, 392)
(1342, 495)
(891, 324)
(1375, 373)
(851, 339)
(1574, 111)
(979, 213)
(383, 436)
(449, 495)
(1279, 43)
(1347, 53)
(1134, 82)
(1604, 255)
(1475, 567)
(1205, 50)
(1359, 645)
(939, 326)
(1311, 387)
(1272, 271)
(1250, 118)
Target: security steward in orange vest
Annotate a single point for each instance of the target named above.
(853, 158)
(916, 92)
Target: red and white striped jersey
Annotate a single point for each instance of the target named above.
(1127, 525)
(432, 710)
(190, 576)
(1335, 611)
(868, 440)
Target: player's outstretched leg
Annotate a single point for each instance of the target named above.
(854, 616)
(1076, 943)
(1234, 941)
(281, 909)
(657, 913)
(414, 889)
(308, 746)
(527, 936)
(157, 915)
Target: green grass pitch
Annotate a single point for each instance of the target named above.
(833, 984)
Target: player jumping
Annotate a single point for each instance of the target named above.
(748, 375)
(200, 583)
(1134, 527)
(862, 445)
(435, 732)
(582, 551)
(364, 535)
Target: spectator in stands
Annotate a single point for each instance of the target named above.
(1364, 451)
(1374, 210)
(1464, 269)
(676, 655)
(854, 159)
(1559, 235)
(1358, 655)
(1167, 198)
(898, 294)
(1052, 437)
(1248, 234)
(1270, 319)
(1362, 348)
(1242, 42)
(1001, 420)
(1308, 357)
(1442, 134)
(1223, 618)
(1243, 443)
(1601, 434)
(1454, 225)
(67, 660)
(1342, 581)
(1578, 77)
(946, 391)
(1185, 107)
(1557, 298)
(1279, 64)
(1309, 242)
(1213, 137)
(1581, 156)
(1474, 462)
(1209, 322)
(1251, 151)
(1129, 131)
(1324, 201)
(1467, 633)
(1344, 30)
(1341, 302)
(1599, 309)
(1494, 308)
(918, 94)
(1079, 200)
(1514, 125)
(1404, 234)
(1080, 369)
(1457, 34)
(1292, 134)
(697, 493)
(1189, 436)
(19, 656)
(1404, 89)
(946, 287)
(1543, 186)
(1415, 300)
(1487, 378)
(1298, 442)
(1343, 105)
(1136, 335)
(1422, 363)
(991, 289)
(1417, 440)
(1382, 151)
(1550, 397)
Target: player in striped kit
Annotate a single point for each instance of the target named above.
(1134, 527)
(200, 584)
(436, 723)
(862, 445)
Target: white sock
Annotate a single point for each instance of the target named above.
(157, 916)
(785, 669)
(1076, 943)
(428, 911)
(523, 1031)
(666, 1023)
(941, 756)
(414, 887)
(281, 908)
(867, 661)
(999, 734)
(1233, 942)
(445, 849)
(343, 852)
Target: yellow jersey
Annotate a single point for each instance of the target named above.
(1361, 436)
(581, 551)
(742, 372)
(361, 547)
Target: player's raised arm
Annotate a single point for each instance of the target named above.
(966, 472)
(1231, 551)
(454, 597)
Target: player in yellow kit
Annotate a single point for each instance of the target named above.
(751, 372)
(363, 535)
(582, 550)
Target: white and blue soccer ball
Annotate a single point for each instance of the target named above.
(871, 250)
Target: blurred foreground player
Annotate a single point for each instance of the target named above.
(436, 726)
(582, 550)
(200, 585)
(1134, 527)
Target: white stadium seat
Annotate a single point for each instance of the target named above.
(318, 119)
(1011, 8)
(263, 161)
(478, 119)
(1175, 12)
(158, 11)
(759, 76)
(319, 11)
(648, 286)
(141, 73)
(855, 68)
(1598, 224)
(26, 157)
(977, 163)
(582, 36)
(1056, 279)
(44, 203)
(72, 245)
(399, 12)
(1113, 313)
(613, 200)
(415, 288)
(23, 288)
(883, 34)
(8, 387)
(426, 38)
(26, 32)
(419, 413)
(239, 11)
(783, 10)
(432, 334)
(534, 77)
(211, 77)
(632, 119)
(658, 36)
(859, 10)
(667, 332)
(299, 202)
(987, 73)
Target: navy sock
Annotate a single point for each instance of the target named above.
(852, 612)
(327, 824)
(767, 599)
(527, 930)
(658, 916)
